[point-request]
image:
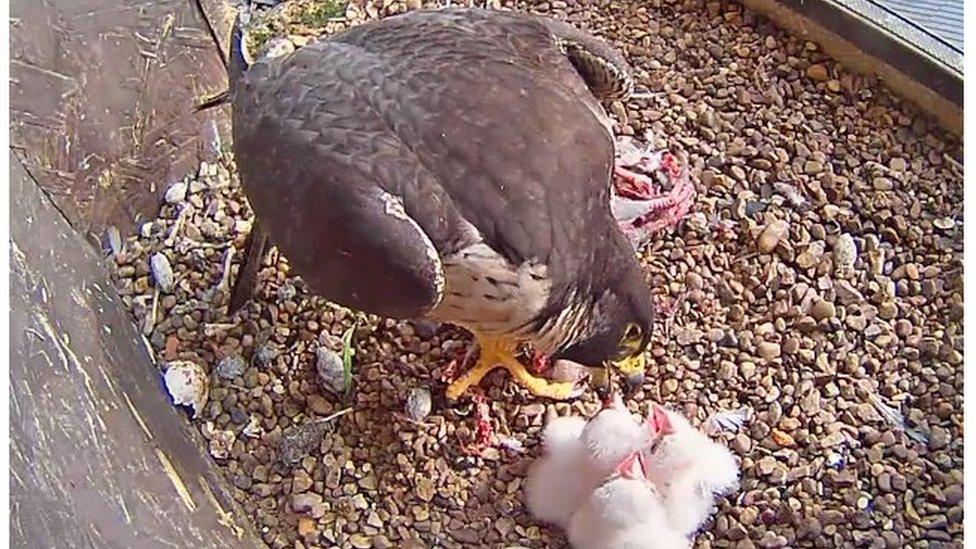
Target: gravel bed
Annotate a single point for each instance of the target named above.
(811, 316)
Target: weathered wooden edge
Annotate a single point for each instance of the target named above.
(99, 457)
(102, 103)
(219, 15)
(946, 112)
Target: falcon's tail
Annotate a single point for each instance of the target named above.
(236, 67)
(247, 276)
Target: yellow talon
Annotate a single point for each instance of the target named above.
(497, 353)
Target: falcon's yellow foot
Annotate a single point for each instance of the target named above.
(497, 353)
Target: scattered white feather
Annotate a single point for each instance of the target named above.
(728, 420)
(897, 420)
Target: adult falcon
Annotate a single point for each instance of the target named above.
(453, 165)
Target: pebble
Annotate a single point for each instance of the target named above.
(771, 235)
(823, 309)
(811, 256)
(425, 489)
(847, 294)
(813, 167)
(328, 364)
(298, 441)
(769, 350)
(301, 482)
(230, 367)
(418, 403)
(845, 253)
(305, 502)
(818, 72)
(319, 405)
(939, 438)
(162, 271)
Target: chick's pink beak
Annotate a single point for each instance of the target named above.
(659, 421)
(613, 401)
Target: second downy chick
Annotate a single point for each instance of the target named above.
(689, 470)
(578, 456)
(625, 512)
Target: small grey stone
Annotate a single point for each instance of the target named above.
(754, 207)
(954, 494)
(418, 403)
(176, 193)
(242, 482)
(230, 367)
(939, 438)
(266, 353)
(162, 271)
(425, 329)
(298, 441)
(303, 503)
(238, 416)
(328, 364)
(286, 292)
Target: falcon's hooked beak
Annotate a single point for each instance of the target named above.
(633, 368)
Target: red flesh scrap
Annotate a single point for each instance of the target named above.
(484, 434)
(663, 209)
(540, 362)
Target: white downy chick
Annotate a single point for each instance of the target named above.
(578, 455)
(610, 436)
(553, 487)
(625, 512)
(689, 470)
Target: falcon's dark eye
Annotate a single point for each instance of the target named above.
(630, 343)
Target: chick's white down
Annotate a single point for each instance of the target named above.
(555, 486)
(657, 502)
(578, 455)
(624, 512)
(690, 471)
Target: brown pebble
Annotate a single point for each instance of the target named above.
(818, 72)
(771, 235)
(768, 350)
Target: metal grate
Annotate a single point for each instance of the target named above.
(942, 19)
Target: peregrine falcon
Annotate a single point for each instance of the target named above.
(453, 165)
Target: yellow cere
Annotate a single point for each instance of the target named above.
(631, 365)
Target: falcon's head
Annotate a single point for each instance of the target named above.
(619, 328)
